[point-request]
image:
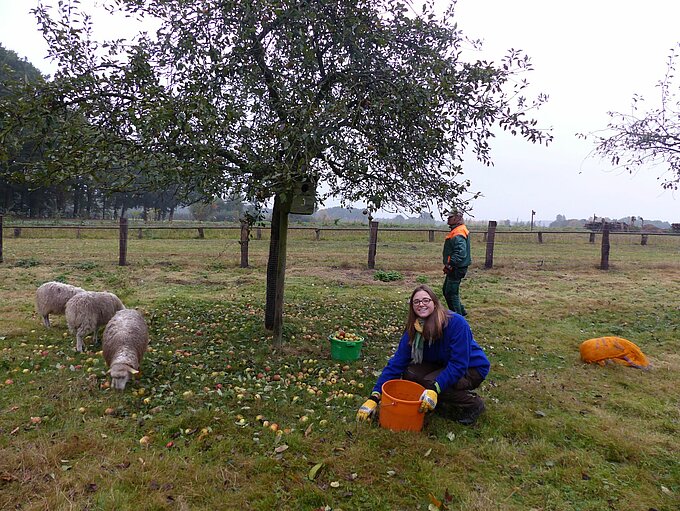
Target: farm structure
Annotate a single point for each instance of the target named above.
(612, 226)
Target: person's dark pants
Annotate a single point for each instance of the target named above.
(451, 290)
(459, 396)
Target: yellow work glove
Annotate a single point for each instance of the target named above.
(369, 407)
(428, 401)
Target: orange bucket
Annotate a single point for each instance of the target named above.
(399, 406)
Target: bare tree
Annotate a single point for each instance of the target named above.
(648, 136)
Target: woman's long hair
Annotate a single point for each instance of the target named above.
(434, 323)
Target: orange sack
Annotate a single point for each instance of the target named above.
(616, 349)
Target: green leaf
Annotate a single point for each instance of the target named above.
(314, 471)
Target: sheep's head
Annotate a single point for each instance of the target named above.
(120, 375)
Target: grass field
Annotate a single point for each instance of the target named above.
(195, 430)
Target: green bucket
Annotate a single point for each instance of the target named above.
(345, 350)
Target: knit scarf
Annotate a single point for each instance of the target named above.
(417, 344)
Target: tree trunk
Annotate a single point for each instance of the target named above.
(8, 200)
(90, 201)
(60, 202)
(76, 200)
(32, 205)
(276, 269)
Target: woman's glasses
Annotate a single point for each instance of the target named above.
(424, 301)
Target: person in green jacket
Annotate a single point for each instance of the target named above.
(457, 258)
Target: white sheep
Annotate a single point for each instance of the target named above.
(124, 343)
(88, 311)
(51, 298)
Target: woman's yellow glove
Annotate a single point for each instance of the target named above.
(368, 409)
(428, 401)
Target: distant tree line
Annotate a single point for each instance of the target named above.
(23, 195)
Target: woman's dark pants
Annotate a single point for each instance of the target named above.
(460, 396)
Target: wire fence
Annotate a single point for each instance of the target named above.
(537, 247)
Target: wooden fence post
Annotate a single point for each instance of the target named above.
(484, 237)
(17, 232)
(1, 239)
(592, 238)
(317, 233)
(643, 241)
(430, 235)
(139, 234)
(122, 245)
(78, 233)
(540, 237)
(201, 233)
(258, 233)
(491, 236)
(604, 261)
(245, 238)
(372, 244)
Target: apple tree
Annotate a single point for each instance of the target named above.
(369, 100)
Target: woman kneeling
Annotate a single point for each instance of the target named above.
(437, 351)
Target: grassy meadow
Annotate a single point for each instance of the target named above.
(219, 420)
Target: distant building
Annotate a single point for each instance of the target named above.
(613, 226)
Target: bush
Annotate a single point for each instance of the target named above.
(387, 276)
(27, 263)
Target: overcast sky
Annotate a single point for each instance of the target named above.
(589, 56)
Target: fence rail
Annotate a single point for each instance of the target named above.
(538, 233)
(491, 236)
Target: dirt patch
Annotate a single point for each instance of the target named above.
(162, 264)
(193, 282)
(300, 351)
(338, 275)
(354, 276)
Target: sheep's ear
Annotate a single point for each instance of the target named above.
(133, 371)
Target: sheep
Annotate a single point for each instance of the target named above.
(125, 340)
(88, 311)
(51, 298)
